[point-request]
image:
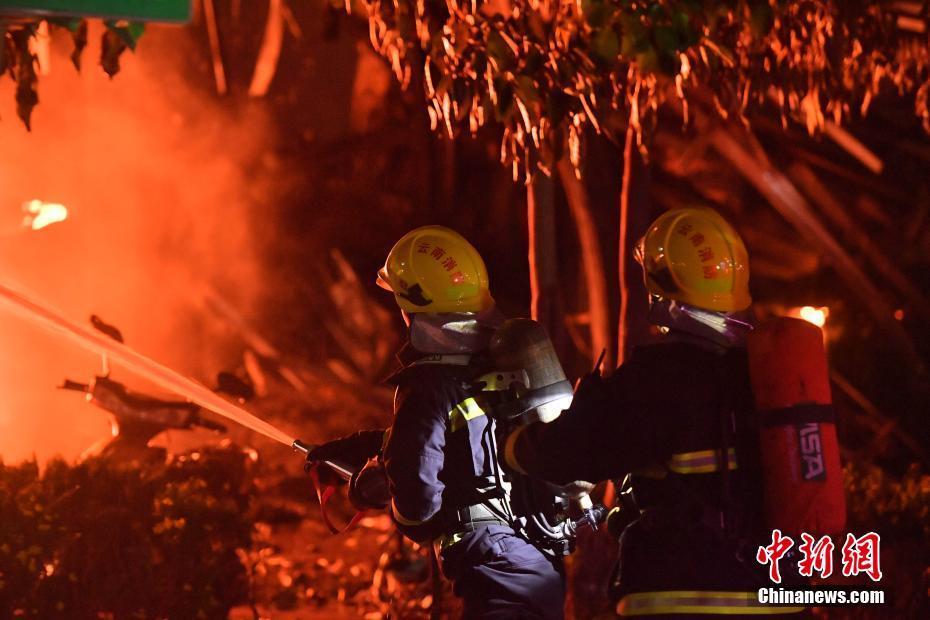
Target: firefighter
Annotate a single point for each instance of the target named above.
(440, 453)
(670, 420)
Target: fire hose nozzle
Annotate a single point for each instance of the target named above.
(590, 511)
(591, 517)
(340, 469)
(302, 447)
(594, 515)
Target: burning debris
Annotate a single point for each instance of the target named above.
(137, 418)
(159, 374)
(270, 551)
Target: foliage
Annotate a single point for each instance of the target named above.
(193, 538)
(101, 539)
(547, 69)
(18, 60)
(898, 508)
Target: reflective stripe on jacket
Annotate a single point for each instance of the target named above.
(698, 602)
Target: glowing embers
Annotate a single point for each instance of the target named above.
(39, 214)
(816, 316)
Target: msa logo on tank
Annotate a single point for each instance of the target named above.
(812, 466)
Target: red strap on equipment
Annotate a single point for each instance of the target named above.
(324, 494)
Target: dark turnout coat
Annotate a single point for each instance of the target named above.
(441, 462)
(667, 417)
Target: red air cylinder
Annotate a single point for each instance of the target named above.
(799, 449)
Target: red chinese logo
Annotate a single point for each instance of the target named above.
(816, 556)
(859, 555)
(773, 553)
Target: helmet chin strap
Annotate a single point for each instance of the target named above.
(724, 329)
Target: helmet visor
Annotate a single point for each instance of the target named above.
(639, 251)
(382, 280)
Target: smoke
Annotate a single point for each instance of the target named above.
(166, 193)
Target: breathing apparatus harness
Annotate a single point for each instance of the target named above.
(488, 502)
(522, 382)
(518, 380)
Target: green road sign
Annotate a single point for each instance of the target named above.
(134, 10)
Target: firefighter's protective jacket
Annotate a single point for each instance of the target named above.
(439, 454)
(669, 415)
(445, 483)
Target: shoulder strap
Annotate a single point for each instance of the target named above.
(441, 359)
(460, 361)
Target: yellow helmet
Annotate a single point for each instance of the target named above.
(694, 256)
(435, 269)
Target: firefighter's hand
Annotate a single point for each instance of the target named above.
(369, 487)
(353, 450)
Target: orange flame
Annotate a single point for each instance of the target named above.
(40, 214)
(816, 316)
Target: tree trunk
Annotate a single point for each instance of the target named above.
(592, 261)
(544, 274)
(636, 213)
(622, 243)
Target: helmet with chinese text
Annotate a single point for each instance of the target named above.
(435, 269)
(694, 256)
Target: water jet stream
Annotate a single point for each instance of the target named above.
(140, 365)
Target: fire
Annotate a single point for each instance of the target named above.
(816, 316)
(134, 244)
(40, 214)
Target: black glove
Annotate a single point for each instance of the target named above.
(353, 450)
